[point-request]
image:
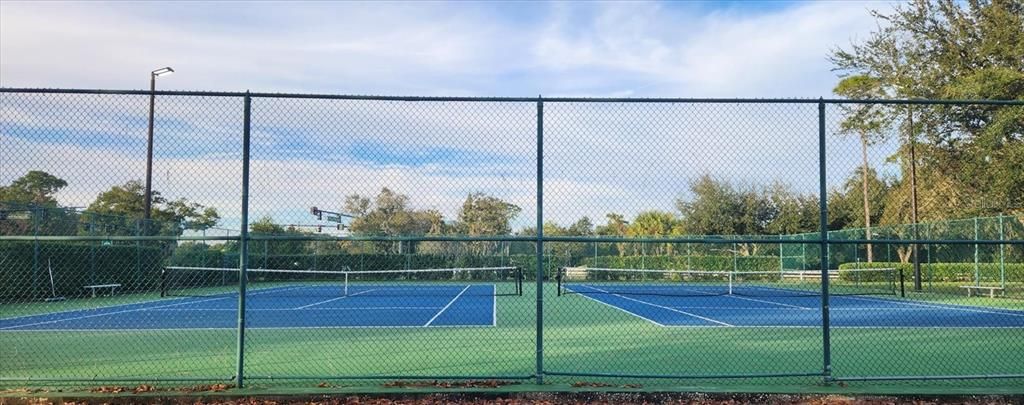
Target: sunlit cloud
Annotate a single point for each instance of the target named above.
(316, 152)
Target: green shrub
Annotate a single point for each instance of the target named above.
(950, 272)
(24, 277)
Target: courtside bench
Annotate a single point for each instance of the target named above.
(991, 289)
(112, 287)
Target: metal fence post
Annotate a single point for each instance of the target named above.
(1002, 255)
(35, 214)
(243, 240)
(139, 225)
(823, 205)
(540, 241)
(977, 268)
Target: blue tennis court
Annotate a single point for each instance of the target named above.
(364, 306)
(768, 307)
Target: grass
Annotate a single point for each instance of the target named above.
(581, 335)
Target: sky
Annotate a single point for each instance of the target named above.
(315, 153)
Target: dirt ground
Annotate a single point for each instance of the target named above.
(530, 399)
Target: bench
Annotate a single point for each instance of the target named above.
(991, 289)
(112, 287)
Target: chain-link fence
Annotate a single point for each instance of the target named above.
(643, 241)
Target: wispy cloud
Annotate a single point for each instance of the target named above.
(306, 152)
(432, 48)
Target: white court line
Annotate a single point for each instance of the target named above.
(446, 306)
(756, 300)
(662, 307)
(147, 302)
(802, 309)
(614, 306)
(770, 302)
(293, 309)
(107, 313)
(334, 299)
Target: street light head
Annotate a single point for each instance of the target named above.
(163, 71)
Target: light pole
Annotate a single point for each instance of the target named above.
(149, 146)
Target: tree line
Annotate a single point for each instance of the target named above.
(953, 160)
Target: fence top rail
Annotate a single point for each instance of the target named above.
(738, 100)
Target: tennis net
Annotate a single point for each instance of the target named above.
(589, 280)
(179, 281)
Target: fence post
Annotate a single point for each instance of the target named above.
(243, 240)
(1002, 256)
(540, 241)
(92, 254)
(823, 206)
(977, 270)
(782, 261)
(35, 213)
(139, 225)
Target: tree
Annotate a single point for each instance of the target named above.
(122, 207)
(266, 226)
(390, 214)
(616, 225)
(33, 195)
(716, 208)
(866, 121)
(720, 209)
(277, 253)
(793, 213)
(484, 215)
(34, 188)
(582, 227)
(953, 50)
(654, 223)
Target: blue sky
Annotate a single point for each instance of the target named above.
(438, 153)
(699, 49)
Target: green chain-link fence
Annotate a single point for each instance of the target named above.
(541, 240)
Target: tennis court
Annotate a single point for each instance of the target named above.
(200, 298)
(863, 299)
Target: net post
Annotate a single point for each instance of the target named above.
(346, 284)
(519, 279)
(731, 275)
(558, 281)
(903, 278)
(823, 207)
(540, 243)
(163, 282)
(243, 239)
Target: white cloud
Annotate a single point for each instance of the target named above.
(600, 158)
(720, 54)
(638, 49)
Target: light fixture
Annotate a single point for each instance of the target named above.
(163, 71)
(148, 210)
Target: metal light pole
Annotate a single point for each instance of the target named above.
(149, 146)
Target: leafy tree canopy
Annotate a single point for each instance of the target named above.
(34, 188)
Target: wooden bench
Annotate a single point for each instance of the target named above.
(991, 289)
(112, 288)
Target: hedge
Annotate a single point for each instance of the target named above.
(700, 263)
(74, 265)
(950, 272)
